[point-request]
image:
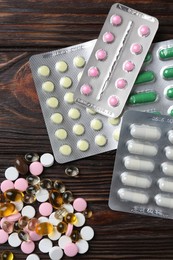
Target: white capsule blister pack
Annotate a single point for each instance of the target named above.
(153, 88)
(142, 179)
(74, 131)
(116, 60)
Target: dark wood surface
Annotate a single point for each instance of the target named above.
(32, 26)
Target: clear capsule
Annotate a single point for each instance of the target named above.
(29, 198)
(72, 171)
(33, 179)
(24, 236)
(59, 186)
(46, 184)
(70, 218)
(23, 221)
(75, 236)
(62, 227)
(7, 226)
(31, 157)
(55, 199)
(67, 197)
(60, 213)
(32, 189)
(7, 255)
(32, 223)
(21, 165)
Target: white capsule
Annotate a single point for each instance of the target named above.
(169, 152)
(170, 136)
(140, 148)
(131, 179)
(134, 163)
(165, 184)
(133, 196)
(145, 132)
(164, 201)
(167, 168)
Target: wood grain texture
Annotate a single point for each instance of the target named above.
(29, 27)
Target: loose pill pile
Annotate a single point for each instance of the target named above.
(116, 60)
(74, 131)
(153, 90)
(142, 180)
(59, 226)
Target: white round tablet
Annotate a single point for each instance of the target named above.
(63, 241)
(42, 195)
(87, 233)
(33, 257)
(55, 253)
(54, 221)
(11, 173)
(28, 211)
(47, 159)
(14, 240)
(55, 235)
(68, 207)
(82, 245)
(80, 220)
(45, 245)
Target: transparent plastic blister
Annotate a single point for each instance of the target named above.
(74, 131)
(142, 180)
(153, 88)
(116, 60)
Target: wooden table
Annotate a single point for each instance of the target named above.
(30, 27)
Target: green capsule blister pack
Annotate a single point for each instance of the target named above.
(153, 88)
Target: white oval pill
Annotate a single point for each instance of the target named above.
(14, 240)
(54, 235)
(165, 184)
(137, 164)
(133, 196)
(170, 136)
(68, 207)
(167, 168)
(164, 201)
(45, 245)
(145, 132)
(82, 245)
(42, 195)
(47, 159)
(140, 148)
(80, 220)
(33, 257)
(87, 233)
(11, 173)
(133, 180)
(55, 253)
(28, 211)
(169, 152)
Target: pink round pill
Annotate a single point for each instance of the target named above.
(129, 66)
(69, 229)
(93, 72)
(36, 168)
(3, 236)
(71, 249)
(121, 83)
(136, 48)
(108, 37)
(79, 204)
(113, 101)
(116, 20)
(86, 89)
(101, 54)
(45, 209)
(34, 236)
(7, 185)
(13, 217)
(144, 31)
(21, 184)
(27, 247)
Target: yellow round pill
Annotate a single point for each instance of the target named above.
(65, 82)
(116, 134)
(114, 121)
(48, 86)
(61, 66)
(74, 113)
(100, 140)
(61, 134)
(91, 111)
(96, 124)
(69, 97)
(79, 61)
(78, 129)
(44, 71)
(65, 149)
(83, 145)
(52, 102)
(56, 118)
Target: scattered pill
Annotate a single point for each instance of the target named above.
(87, 233)
(82, 245)
(71, 250)
(63, 241)
(80, 219)
(3, 236)
(7, 185)
(11, 173)
(42, 195)
(45, 245)
(21, 184)
(28, 211)
(14, 240)
(79, 204)
(27, 247)
(47, 160)
(55, 253)
(33, 257)
(55, 235)
(36, 168)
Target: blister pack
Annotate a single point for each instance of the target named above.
(153, 88)
(74, 131)
(116, 60)
(142, 179)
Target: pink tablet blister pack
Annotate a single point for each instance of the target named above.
(116, 60)
(74, 131)
(142, 179)
(153, 88)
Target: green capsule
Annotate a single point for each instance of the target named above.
(142, 97)
(168, 73)
(145, 77)
(148, 58)
(166, 54)
(169, 93)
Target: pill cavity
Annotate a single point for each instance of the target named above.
(169, 152)
(93, 72)
(164, 201)
(65, 82)
(133, 196)
(145, 77)
(108, 37)
(169, 93)
(142, 98)
(136, 48)
(101, 54)
(137, 164)
(44, 71)
(135, 180)
(79, 61)
(148, 58)
(144, 31)
(128, 66)
(113, 101)
(69, 97)
(86, 89)
(116, 20)
(48, 86)
(166, 53)
(61, 66)
(165, 184)
(141, 148)
(121, 83)
(167, 168)
(168, 73)
(145, 132)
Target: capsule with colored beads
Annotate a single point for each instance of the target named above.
(166, 53)
(165, 184)
(142, 97)
(168, 73)
(164, 201)
(141, 148)
(131, 179)
(133, 196)
(145, 77)
(138, 164)
(145, 132)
